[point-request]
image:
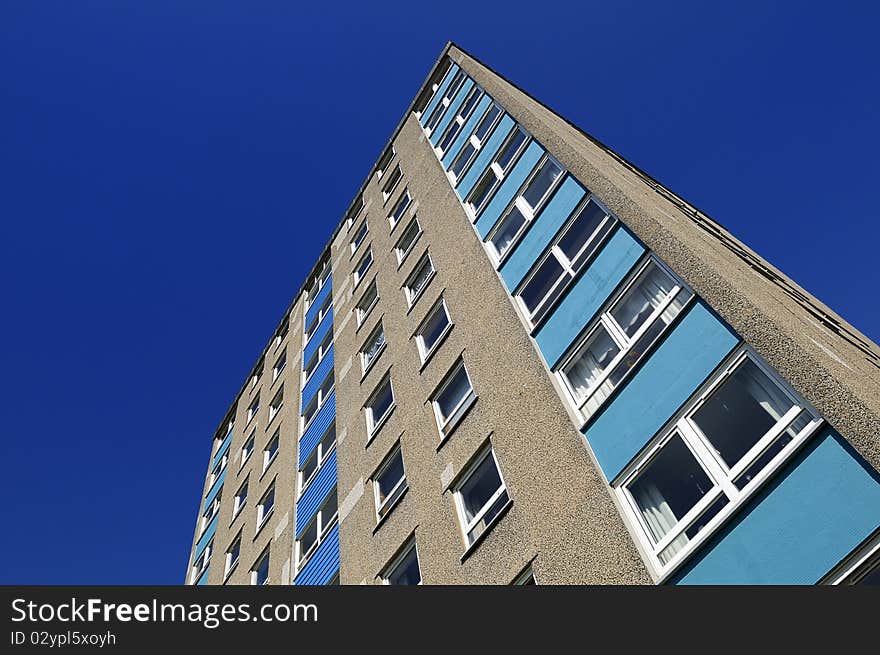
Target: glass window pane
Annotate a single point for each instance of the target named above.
(456, 390)
(376, 341)
(741, 411)
(671, 485)
(329, 510)
(390, 476)
(541, 283)
(434, 327)
(310, 466)
(463, 158)
(482, 189)
(510, 148)
(643, 297)
(308, 538)
(407, 571)
(262, 571)
(541, 183)
(598, 353)
(486, 122)
(579, 232)
(419, 280)
(381, 402)
(479, 487)
(507, 230)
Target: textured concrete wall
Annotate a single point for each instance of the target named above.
(562, 516)
(827, 360)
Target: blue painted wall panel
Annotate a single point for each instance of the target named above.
(542, 232)
(319, 300)
(451, 111)
(215, 488)
(312, 346)
(507, 191)
(813, 514)
(487, 154)
(444, 84)
(315, 494)
(466, 130)
(324, 564)
(317, 428)
(223, 448)
(206, 537)
(679, 365)
(580, 304)
(324, 367)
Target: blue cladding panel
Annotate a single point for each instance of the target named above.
(317, 428)
(444, 84)
(203, 578)
(319, 300)
(466, 130)
(207, 535)
(541, 233)
(586, 296)
(451, 111)
(324, 367)
(814, 513)
(223, 448)
(507, 191)
(316, 492)
(682, 362)
(487, 153)
(215, 488)
(321, 332)
(324, 564)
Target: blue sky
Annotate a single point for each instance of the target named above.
(170, 170)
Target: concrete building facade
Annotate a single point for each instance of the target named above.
(521, 359)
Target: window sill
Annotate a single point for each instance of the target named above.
(268, 467)
(489, 527)
(378, 427)
(435, 347)
(263, 523)
(390, 510)
(456, 420)
(421, 292)
(366, 315)
(372, 364)
(230, 572)
(235, 516)
(402, 258)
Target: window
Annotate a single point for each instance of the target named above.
(271, 450)
(527, 577)
(480, 496)
(432, 330)
(404, 569)
(372, 348)
(479, 196)
(252, 408)
(323, 310)
(400, 208)
(210, 512)
(363, 266)
(440, 109)
(622, 335)
(255, 376)
(316, 531)
(266, 505)
(232, 555)
(525, 207)
(379, 406)
(366, 303)
(407, 240)
(389, 483)
(247, 448)
(316, 460)
(475, 143)
(359, 237)
(458, 122)
(318, 401)
(418, 280)
(354, 214)
(202, 562)
(280, 363)
(276, 403)
(281, 333)
(730, 439)
(453, 398)
(391, 183)
(323, 349)
(320, 279)
(384, 161)
(572, 249)
(260, 570)
(240, 499)
(862, 567)
(218, 469)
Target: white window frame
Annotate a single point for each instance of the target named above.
(322, 397)
(400, 207)
(259, 561)
(252, 409)
(359, 237)
(863, 560)
(402, 252)
(281, 332)
(448, 423)
(624, 342)
(229, 564)
(475, 142)
(413, 296)
(279, 365)
(320, 353)
(268, 456)
(245, 452)
(424, 351)
(263, 514)
(277, 403)
(571, 267)
(205, 559)
(436, 116)
(528, 212)
(713, 466)
(398, 559)
(360, 271)
(361, 313)
(310, 329)
(218, 468)
(210, 512)
(474, 211)
(325, 524)
(322, 454)
(456, 124)
(240, 500)
(391, 184)
(468, 526)
(374, 423)
(320, 280)
(383, 508)
(367, 365)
